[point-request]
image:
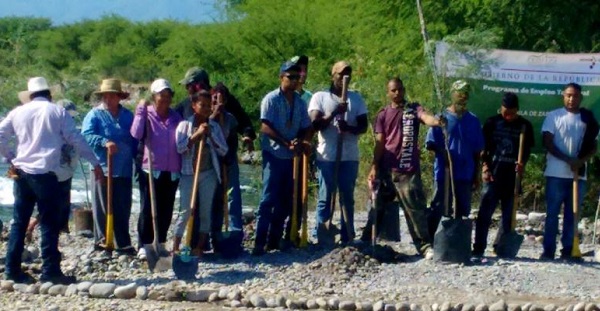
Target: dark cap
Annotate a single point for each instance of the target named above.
(510, 100)
(300, 60)
(195, 74)
(288, 66)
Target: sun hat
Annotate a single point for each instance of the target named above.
(112, 86)
(37, 84)
(24, 97)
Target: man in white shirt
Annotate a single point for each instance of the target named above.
(40, 128)
(569, 136)
(336, 120)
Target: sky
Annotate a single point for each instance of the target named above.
(62, 12)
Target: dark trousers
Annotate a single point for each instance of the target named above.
(65, 202)
(276, 201)
(463, 202)
(121, 210)
(491, 194)
(165, 190)
(28, 190)
(411, 198)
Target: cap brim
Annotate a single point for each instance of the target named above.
(123, 95)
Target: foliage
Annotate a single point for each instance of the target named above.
(380, 38)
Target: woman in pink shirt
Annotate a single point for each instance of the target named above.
(154, 125)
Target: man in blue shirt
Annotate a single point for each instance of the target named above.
(465, 143)
(285, 129)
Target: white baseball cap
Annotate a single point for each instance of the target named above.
(159, 85)
(37, 84)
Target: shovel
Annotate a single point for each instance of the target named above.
(228, 243)
(326, 231)
(109, 237)
(304, 236)
(296, 176)
(575, 251)
(452, 242)
(185, 265)
(509, 243)
(154, 256)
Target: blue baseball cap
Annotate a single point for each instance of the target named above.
(288, 66)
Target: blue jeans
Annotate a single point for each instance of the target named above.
(121, 210)
(463, 202)
(491, 194)
(276, 201)
(28, 190)
(234, 199)
(560, 191)
(346, 181)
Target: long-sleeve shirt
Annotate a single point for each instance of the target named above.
(99, 127)
(218, 146)
(41, 128)
(159, 137)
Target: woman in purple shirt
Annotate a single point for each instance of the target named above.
(154, 124)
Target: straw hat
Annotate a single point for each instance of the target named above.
(112, 86)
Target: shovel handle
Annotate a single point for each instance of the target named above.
(295, 173)
(194, 197)
(110, 245)
(225, 178)
(304, 237)
(575, 251)
(513, 220)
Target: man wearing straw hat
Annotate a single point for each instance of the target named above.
(106, 129)
(41, 128)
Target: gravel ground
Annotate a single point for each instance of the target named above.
(299, 277)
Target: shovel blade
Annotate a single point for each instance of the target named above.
(508, 245)
(229, 244)
(452, 242)
(326, 233)
(185, 266)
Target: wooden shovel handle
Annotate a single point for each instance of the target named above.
(513, 220)
(194, 196)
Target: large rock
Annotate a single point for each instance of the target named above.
(102, 290)
(536, 218)
(199, 295)
(364, 306)
(126, 292)
(71, 290)
(378, 306)
(347, 305)
(84, 286)
(141, 293)
(579, 307)
(21, 288)
(499, 306)
(6, 285)
(45, 287)
(57, 289)
(258, 301)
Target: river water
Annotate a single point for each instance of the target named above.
(249, 179)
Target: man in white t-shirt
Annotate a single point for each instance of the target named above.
(333, 120)
(569, 136)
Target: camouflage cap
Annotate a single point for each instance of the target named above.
(460, 86)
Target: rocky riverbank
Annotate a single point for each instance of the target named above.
(345, 278)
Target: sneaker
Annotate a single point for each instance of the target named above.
(20, 278)
(59, 279)
(428, 254)
(141, 255)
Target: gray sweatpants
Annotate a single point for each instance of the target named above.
(207, 185)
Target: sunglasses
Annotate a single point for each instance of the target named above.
(293, 77)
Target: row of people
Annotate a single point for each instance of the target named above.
(169, 137)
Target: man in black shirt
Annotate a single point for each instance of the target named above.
(501, 134)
